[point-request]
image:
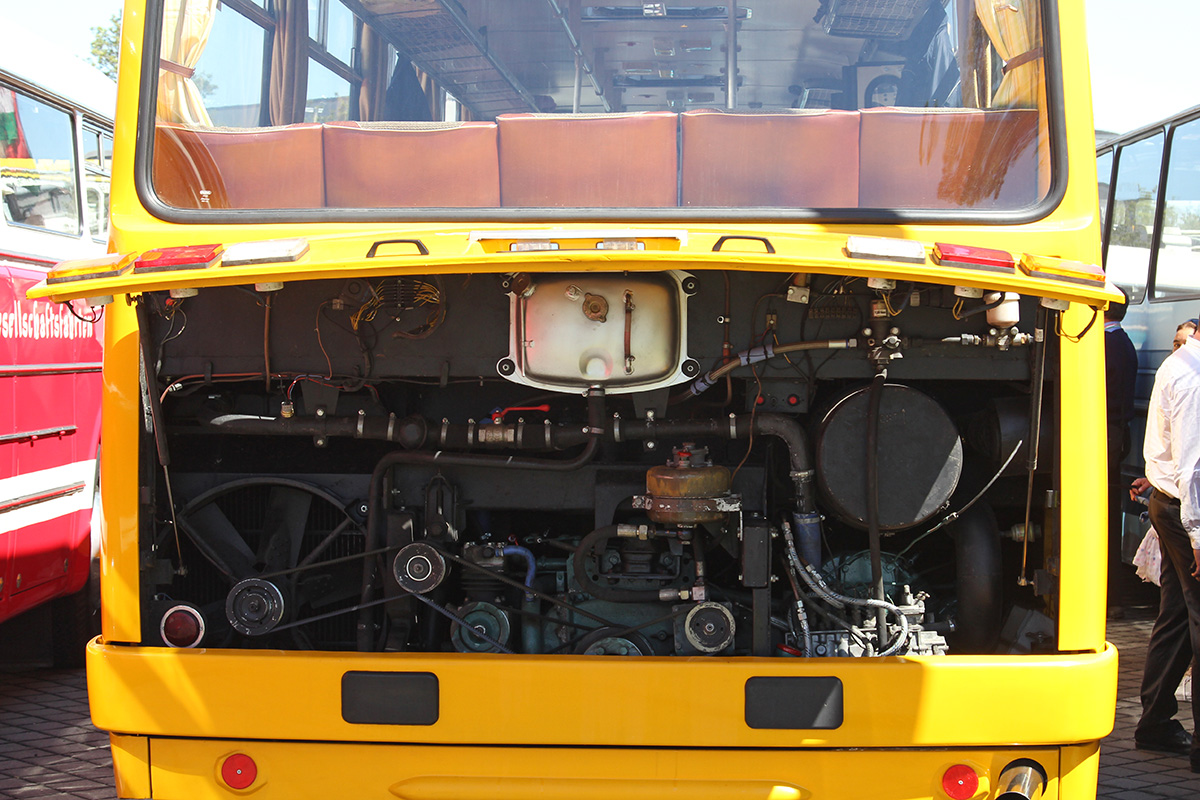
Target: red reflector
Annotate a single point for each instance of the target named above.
(960, 782)
(239, 771)
(173, 258)
(959, 255)
(182, 626)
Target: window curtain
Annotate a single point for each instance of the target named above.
(1015, 30)
(187, 25)
(373, 93)
(433, 94)
(289, 62)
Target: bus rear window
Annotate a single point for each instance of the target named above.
(923, 105)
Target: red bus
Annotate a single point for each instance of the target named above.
(55, 147)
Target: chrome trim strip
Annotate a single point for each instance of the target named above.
(34, 370)
(61, 430)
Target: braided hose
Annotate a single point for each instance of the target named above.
(817, 584)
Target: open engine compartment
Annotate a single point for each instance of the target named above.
(616, 463)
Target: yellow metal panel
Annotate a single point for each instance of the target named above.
(1080, 202)
(1082, 515)
(131, 765)
(452, 250)
(191, 768)
(1079, 770)
(896, 702)
(121, 412)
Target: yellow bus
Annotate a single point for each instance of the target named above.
(553, 399)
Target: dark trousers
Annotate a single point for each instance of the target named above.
(1175, 640)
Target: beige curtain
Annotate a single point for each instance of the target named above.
(433, 94)
(289, 62)
(372, 95)
(187, 25)
(1015, 28)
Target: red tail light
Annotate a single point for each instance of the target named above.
(167, 259)
(182, 626)
(960, 255)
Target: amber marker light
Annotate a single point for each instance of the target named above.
(966, 257)
(960, 782)
(90, 268)
(239, 771)
(1062, 270)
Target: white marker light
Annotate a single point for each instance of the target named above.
(881, 249)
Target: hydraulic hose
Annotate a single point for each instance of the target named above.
(818, 586)
(754, 355)
(530, 562)
(801, 614)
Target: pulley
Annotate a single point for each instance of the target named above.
(419, 568)
(254, 607)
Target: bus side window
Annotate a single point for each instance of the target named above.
(1177, 274)
(96, 156)
(1104, 165)
(37, 164)
(1135, 195)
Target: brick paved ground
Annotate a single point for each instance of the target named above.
(50, 751)
(1126, 772)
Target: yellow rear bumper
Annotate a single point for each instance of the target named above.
(191, 769)
(948, 701)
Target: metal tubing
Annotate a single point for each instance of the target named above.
(872, 497)
(578, 96)
(731, 58)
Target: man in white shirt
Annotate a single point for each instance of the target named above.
(1172, 452)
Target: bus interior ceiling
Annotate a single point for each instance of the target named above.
(625, 64)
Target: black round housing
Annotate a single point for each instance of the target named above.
(919, 452)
